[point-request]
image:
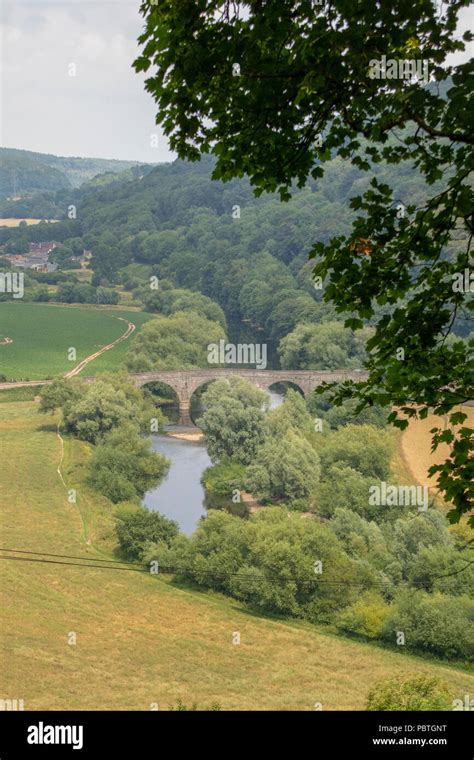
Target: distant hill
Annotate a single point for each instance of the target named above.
(23, 172)
(20, 175)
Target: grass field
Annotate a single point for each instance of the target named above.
(42, 334)
(141, 640)
(23, 393)
(416, 446)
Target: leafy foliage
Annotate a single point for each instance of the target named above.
(416, 693)
(326, 346)
(106, 405)
(362, 447)
(437, 624)
(59, 393)
(365, 617)
(124, 468)
(291, 414)
(233, 423)
(179, 341)
(170, 300)
(274, 90)
(92, 411)
(137, 529)
(267, 561)
(286, 468)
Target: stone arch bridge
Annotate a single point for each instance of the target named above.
(186, 382)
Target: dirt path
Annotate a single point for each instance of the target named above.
(61, 443)
(130, 329)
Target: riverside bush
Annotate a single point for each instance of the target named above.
(417, 693)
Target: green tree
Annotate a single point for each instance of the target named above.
(343, 486)
(366, 541)
(18, 245)
(106, 296)
(237, 388)
(136, 530)
(346, 413)
(106, 405)
(285, 468)
(434, 623)
(362, 447)
(62, 256)
(326, 346)
(177, 299)
(233, 423)
(179, 341)
(293, 413)
(58, 393)
(66, 293)
(275, 89)
(123, 467)
(438, 568)
(410, 535)
(268, 562)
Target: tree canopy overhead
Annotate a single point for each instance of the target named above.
(276, 88)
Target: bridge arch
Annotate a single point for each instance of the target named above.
(164, 397)
(288, 385)
(186, 382)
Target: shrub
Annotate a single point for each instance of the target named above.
(366, 617)
(221, 479)
(123, 467)
(438, 624)
(417, 693)
(363, 447)
(286, 468)
(344, 487)
(268, 562)
(138, 529)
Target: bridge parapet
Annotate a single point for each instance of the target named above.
(186, 382)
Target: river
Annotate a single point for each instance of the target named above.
(181, 496)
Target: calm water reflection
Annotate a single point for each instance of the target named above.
(181, 496)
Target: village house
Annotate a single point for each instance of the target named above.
(85, 258)
(36, 258)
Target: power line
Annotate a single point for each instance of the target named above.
(144, 568)
(70, 556)
(71, 564)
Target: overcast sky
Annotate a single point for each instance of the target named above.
(104, 110)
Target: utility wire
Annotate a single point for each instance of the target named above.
(70, 556)
(72, 564)
(144, 568)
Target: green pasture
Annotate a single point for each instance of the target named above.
(42, 335)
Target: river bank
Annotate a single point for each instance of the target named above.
(181, 495)
(187, 435)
